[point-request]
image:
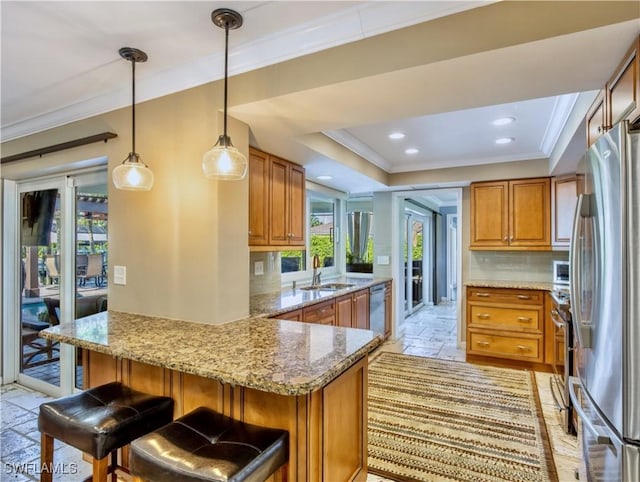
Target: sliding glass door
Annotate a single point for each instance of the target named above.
(61, 256)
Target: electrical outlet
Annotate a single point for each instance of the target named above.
(258, 268)
(120, 275)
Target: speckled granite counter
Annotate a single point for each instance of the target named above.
(288, 299)
(523, 285)
(284, 357)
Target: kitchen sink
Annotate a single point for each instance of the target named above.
(328, 287)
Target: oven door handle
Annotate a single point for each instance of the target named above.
(601, 436)
(554, 315)
(552, 386)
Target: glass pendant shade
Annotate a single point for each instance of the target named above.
(224, 162)
(133, 175)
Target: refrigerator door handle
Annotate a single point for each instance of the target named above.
(583, 330)
(601, 436)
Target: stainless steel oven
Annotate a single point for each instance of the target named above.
(562, 358)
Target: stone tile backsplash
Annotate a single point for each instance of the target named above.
(517, 266)
(271, 280)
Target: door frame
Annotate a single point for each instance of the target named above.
(397, 221)
(11, 329)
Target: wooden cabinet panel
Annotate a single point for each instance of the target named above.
(278, 202)
(500, 318)
(361, 309)
(344, 311)
(563, 204)
(505, 295)
(518, 347)
(99, 369)
(489, 218)
(345, 402)
(529, 212)
(323, 313)
(507, 324)
(277, 208)
(512, 214)
(258, 197)
(295, 315)
(596, 124)
(297, 205)
(623, 89)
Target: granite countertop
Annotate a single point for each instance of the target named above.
(288, 299)
(278, 356)
(523, 285)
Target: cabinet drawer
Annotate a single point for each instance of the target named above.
(499, 295)
(519, 348)
(516, 319)
(324, 313)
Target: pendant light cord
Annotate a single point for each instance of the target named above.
(226, 63)
(133, 107)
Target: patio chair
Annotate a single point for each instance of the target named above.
(52, 268)
(93, 270)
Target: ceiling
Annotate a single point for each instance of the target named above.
(60, 63)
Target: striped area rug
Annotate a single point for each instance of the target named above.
(438, 420)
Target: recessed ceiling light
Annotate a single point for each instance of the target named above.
(505, 140)
(324, 177)
(503, 121)
(396, 135)
(411, 150)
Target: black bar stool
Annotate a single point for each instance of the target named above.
(205, 445)
(99, 421)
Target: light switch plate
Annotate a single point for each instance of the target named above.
(120, 275)
(383, 259)
(258, 268)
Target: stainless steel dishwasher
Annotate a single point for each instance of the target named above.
(376, 308)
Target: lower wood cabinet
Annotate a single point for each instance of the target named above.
(323, 313)
(327, 428)
(350, 310)
(506, 323)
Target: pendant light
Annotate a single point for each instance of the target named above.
(224, 161)
(133, 174)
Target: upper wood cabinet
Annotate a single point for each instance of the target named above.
(276, 202)
(596, 124)
(511, 215)
(620, 98)
(563, 204)
(623, 88)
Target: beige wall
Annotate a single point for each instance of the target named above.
(184, 242)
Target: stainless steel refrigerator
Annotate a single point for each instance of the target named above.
(605, 305)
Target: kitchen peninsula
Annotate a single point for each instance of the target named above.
(306, 378)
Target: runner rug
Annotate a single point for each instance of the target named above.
(438, 420)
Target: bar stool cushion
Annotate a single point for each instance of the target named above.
(102, 419)
(207, 446)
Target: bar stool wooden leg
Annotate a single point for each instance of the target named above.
(100, 469)
(46, 458)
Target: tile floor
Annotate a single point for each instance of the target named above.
(430, 332)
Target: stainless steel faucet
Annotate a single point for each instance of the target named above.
(315, 281)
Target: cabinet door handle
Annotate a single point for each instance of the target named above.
(523, 348)
(506, 238)
(483, 295)
(483, 343)
(599, 129)
(524, 297)
(524, 319)
(250, 232)
(511, 238)
(484, 316)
